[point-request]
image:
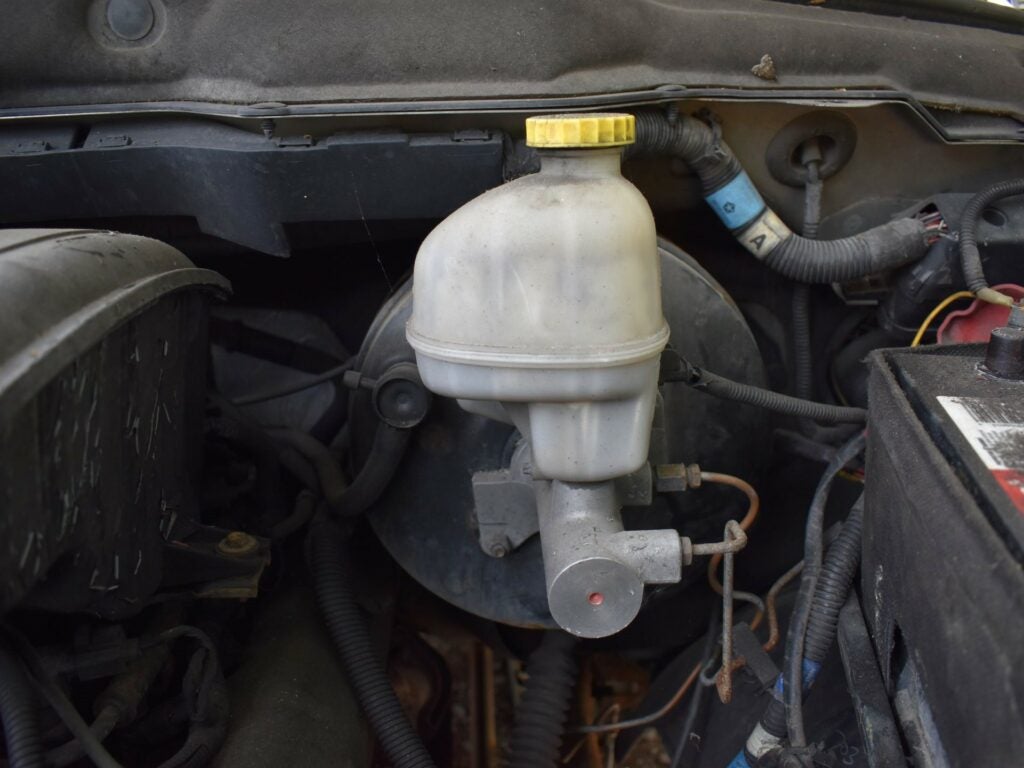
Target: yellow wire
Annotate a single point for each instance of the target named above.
(851, 476)
(935, 313)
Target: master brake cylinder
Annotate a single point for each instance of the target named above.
(539, 303)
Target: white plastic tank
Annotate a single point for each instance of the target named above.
(541, 301)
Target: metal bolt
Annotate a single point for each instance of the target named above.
(498, 550)
(238, 544)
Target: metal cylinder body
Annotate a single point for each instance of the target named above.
(595, 570)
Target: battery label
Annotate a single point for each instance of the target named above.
(995, 429)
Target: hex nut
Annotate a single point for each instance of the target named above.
(672, 478)
(238, 544)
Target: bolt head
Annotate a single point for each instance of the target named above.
(238, 544)
(498, 550)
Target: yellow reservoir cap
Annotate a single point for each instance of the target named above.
(608, 129)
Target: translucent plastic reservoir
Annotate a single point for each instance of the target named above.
(544, 296)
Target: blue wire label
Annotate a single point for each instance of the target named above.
(737, 203)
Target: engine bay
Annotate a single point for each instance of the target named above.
(593, 419)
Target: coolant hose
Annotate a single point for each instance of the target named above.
(727, 389)
(18, 712)
(732, 195)
(359, 655)
(540, 719)
(970, 256)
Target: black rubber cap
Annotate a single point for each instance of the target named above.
(1005, 354)
(130, 19)
(400, 398)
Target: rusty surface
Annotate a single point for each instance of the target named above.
(489, 705)
(481, 703)
(426, 673)
(648, 751)
(462, 735)
(588, 713)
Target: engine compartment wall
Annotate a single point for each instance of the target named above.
(242, 52)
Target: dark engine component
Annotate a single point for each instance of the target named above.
(918, 287)
(537, 736)
(429, 520)
(102, 357)
(348, 630)
(183, 170)
(942, 581)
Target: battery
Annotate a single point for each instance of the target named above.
(943, 555)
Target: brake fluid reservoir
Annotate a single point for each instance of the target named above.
(544, 296)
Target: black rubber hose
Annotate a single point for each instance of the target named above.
(328, 470)
(803, 368)
(386, 452)
(803, 372)
(813, 546)
(970, 256)
(813, 189)
(810, 261)
(19, 714)
(360, 656)
(834, 584)
(536, 737)
(727, 389)
(803, 379)
(774, 718)
(803, 359)
(54, 695)
(884, 247)
(389, 444)
(71, 752)
(207, 730)
(692, 141)
(303, 512)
